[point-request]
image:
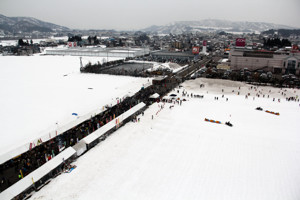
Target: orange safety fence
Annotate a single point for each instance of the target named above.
(271, 112)
(213, 121)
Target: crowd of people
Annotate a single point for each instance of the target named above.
(17, 168)
(20, 166)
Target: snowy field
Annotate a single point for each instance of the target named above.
(15, 42)
(40, 93)
(178, 155)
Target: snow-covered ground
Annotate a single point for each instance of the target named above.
(178, 155)
(40, 93)
(8, 42)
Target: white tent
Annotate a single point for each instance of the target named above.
(154, 96)
(80, 148)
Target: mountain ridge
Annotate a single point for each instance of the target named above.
(27, 24)
(10, 25)
(214, 25)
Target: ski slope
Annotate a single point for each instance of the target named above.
(178, 155)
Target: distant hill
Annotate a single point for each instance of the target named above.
(214, 25)
(9, 25)
(27, 25)
(283, 32)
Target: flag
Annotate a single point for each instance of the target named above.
(39, 142)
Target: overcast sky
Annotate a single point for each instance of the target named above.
(137, 14)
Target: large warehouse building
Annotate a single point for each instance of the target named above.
(168, 55)
(276, 62)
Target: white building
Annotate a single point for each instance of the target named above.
(270, 61)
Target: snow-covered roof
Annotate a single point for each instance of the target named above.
(119, 119)
(36, 175)
(174, 67)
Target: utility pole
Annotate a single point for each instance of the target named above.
(81, 65)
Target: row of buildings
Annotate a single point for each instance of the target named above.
(178, 48)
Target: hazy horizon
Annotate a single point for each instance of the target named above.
(135, 15)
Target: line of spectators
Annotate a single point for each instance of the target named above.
(19, 167)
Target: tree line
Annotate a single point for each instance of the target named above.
(269, 43)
